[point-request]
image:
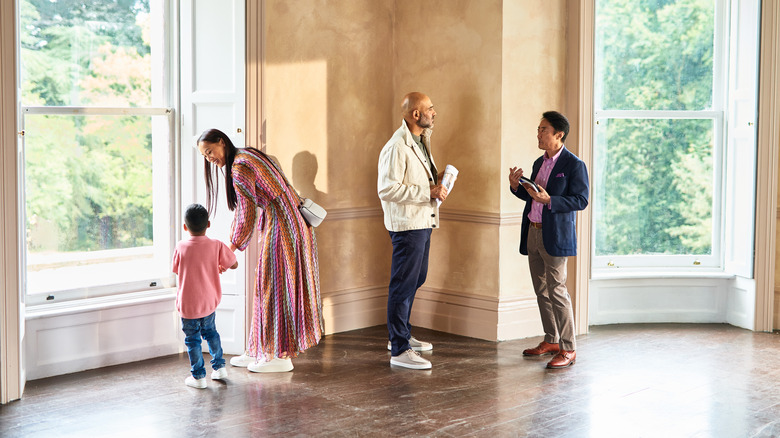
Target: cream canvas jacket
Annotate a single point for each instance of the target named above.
(404, 183)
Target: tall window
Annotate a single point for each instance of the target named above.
(659, 108)
(97, 147)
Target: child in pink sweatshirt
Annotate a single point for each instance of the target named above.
(198, 261)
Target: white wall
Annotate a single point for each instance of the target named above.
(673, 299)
(101, 332)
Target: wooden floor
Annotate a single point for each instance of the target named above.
(661, 380)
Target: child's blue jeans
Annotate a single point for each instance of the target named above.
(206, 328)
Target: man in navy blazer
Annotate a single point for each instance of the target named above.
(548, 234)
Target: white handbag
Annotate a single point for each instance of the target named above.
(312, 212)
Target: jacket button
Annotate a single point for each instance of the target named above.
(433, 226)
(430, 179)
(433, 215)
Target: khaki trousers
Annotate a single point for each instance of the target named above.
(548, 274)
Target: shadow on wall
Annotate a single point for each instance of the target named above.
(304, 170)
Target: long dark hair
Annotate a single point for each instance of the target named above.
(212, 185)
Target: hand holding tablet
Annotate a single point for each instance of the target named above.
(524, 180)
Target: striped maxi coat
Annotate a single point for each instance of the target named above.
(287, 315)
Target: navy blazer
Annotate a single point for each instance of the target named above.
(568, 189)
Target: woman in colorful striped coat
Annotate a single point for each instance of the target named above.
(287, 316)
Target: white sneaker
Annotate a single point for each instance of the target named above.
(275, 365)
(219, 374)
(242, 361)
(410, 359)
(415, 344)
(195, 383)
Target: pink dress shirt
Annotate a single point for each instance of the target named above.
(535, 215)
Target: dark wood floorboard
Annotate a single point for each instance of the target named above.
(659, 380)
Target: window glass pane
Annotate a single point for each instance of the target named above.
(653, 187)
(85, 53)
(654, 54)
(89, 200)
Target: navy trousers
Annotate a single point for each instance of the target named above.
(408, 271)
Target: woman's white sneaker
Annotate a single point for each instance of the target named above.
(274, 365)
(410, 359)
(242, 361)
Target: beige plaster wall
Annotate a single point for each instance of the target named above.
(328, 106)
(464, 259)
(335, 74)
(533, 81)
(451, 50)
(328, 99)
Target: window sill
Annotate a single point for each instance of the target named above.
(100, 303)
(636, 274)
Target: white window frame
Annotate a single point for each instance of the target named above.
(165, 159)
(611, 265)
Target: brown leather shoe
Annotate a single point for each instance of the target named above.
(542, 348)
(563, 359)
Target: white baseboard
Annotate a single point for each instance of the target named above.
(518, 319)
(488, 318)
(354, 309)
(436, 309)
(450, 312)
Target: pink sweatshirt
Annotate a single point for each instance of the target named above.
(196, 261)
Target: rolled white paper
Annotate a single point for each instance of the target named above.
(448, 179)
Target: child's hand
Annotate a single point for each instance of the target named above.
(223, 269)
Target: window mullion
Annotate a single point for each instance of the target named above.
(96, 111)
(655, 114)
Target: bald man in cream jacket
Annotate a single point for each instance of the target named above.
(408, 186)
